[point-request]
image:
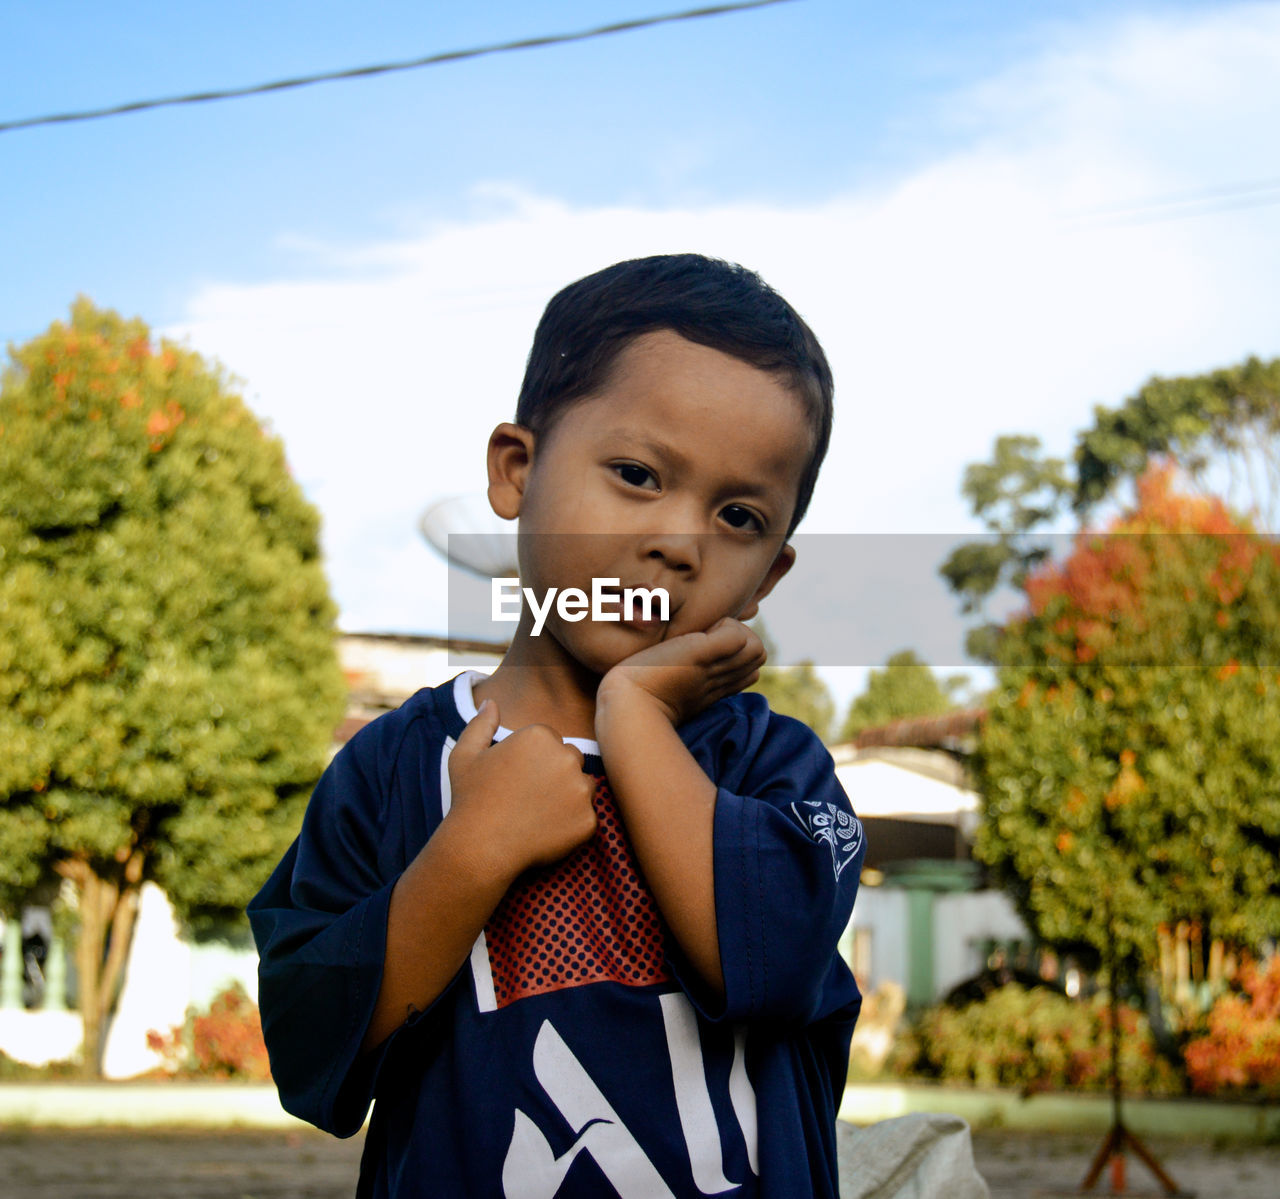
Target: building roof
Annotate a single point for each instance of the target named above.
(890, 790)
(952, 731)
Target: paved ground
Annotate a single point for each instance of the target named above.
(1023, 1165)
(270, 1165)
(67, 1164)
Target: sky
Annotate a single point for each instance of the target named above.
(994, 215)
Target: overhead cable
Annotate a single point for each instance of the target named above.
(385, 68)
(1205, 201)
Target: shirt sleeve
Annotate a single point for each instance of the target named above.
(320, 924)
(788, 851)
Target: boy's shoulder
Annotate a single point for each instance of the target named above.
(429, 712)
(741, 733)
(749, 711)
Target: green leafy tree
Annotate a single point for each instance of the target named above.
(168, 674)
(904, 687)
(1227, 419)
(1130, 764)
(1229, 416)
(1013, 494)
(797, 691)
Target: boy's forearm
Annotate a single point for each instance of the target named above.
(438, 908)
(519, 803)
(668, 804)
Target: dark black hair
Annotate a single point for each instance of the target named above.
(714, 303)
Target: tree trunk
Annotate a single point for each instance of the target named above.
(108, 905)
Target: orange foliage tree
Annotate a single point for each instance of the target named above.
(1241, 1048)
(1130, 762)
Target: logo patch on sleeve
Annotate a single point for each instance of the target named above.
(830, 823)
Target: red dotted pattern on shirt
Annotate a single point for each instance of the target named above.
(589, 918)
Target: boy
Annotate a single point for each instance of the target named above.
(595, 955)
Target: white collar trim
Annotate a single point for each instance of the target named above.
(465, 702)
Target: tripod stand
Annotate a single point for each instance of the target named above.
(1119, 1137)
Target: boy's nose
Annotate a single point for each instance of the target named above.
(679, 551)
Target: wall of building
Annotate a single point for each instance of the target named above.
(881, 914)
(963, 924)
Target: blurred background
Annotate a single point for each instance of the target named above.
(995, 216)
(1041, 246)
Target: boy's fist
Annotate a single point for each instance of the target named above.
(689, 672)
(526, 797)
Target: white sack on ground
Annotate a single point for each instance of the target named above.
(920, 1156)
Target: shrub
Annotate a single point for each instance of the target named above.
(1241, 1049)
(12, 1070)
(225, 1042)
(1034, 1040)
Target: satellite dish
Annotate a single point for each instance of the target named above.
(467, 533)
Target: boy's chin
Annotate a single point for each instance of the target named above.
(599, 654)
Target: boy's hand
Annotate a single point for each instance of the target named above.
(690, 672)
(666, 798)
(527, 797)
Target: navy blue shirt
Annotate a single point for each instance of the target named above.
(576, 1053)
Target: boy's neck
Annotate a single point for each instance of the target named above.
(530, 690)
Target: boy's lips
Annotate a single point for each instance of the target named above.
(633, 615)
(646, 626)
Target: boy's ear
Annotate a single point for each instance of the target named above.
(510, 458)
(785, 560)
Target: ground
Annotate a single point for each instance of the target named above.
(60, 1164)
(1022, 1165)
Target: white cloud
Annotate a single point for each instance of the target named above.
(964, 301)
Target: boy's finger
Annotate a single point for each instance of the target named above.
(478, 734)
(736, 642)
(748, 657)
(728, 636)
(732, 676)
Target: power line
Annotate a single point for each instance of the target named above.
(430, 60)
(1205, 201)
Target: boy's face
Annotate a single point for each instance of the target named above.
(681, 473)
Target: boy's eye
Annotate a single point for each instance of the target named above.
(635, 475)
(738, 517)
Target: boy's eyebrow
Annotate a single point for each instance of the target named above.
(646, 442)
